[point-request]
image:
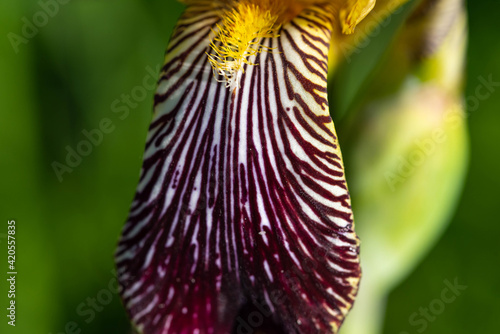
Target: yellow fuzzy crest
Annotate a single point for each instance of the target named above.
(245, 23)
(238, 37)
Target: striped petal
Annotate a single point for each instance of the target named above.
(242, 218)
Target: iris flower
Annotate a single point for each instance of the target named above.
(242, 219)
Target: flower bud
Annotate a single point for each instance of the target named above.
(407, 156)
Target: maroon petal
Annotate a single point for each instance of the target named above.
(242, 217)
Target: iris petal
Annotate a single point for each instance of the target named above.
(242, 198)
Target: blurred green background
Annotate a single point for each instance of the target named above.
(71, 76)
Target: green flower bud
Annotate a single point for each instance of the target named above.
(407, 156)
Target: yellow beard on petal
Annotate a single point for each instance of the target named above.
(238, 37)
(245, 23)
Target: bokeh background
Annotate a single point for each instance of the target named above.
(71, 75)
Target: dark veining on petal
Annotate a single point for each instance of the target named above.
(242, 216)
